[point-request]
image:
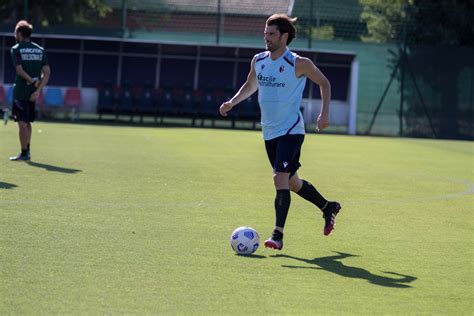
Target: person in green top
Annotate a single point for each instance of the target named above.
(32, 74)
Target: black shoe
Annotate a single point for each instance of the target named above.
(329, 215)
(20, 157)
(276, 241)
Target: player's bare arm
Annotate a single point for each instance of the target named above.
(46, 72)
(247, 89)
(24, 75)
(305, 67)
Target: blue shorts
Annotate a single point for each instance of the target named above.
(23, 111)
(284, 153)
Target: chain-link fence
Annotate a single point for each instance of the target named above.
(428, 78)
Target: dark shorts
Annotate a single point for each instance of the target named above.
(284, 153)
(23, 111)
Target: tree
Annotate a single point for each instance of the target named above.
(47, 12)
(435, 29)
(383, 19)
(433, 22)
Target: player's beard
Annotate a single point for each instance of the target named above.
(272, 47)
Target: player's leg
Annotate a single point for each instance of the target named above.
(307, 191)
(21, 115)
(28, 138)
(282, 153)
(295, 183)
(23, 134)
(31, 119)
(271, 149)
(282, 206)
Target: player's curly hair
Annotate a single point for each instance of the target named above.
(285, 24)
(24, 28)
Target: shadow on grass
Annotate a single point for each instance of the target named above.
(7, 186)
(331, 264)
(252, 256)
(172, 122)
(53, 168)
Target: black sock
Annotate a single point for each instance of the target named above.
(282, 205)
(309, 192)
(277, 235)
(24, 152)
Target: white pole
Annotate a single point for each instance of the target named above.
(353, 97)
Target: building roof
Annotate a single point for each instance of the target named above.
(246, 7)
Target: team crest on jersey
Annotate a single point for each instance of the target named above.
(282, 68)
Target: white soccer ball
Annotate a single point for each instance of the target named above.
(244, 240)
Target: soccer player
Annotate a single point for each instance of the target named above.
(280, 75)
(32, 74)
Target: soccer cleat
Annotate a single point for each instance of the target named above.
(329, 215)
(20, 157)
(276, 244)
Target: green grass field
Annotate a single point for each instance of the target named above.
(125, 220)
